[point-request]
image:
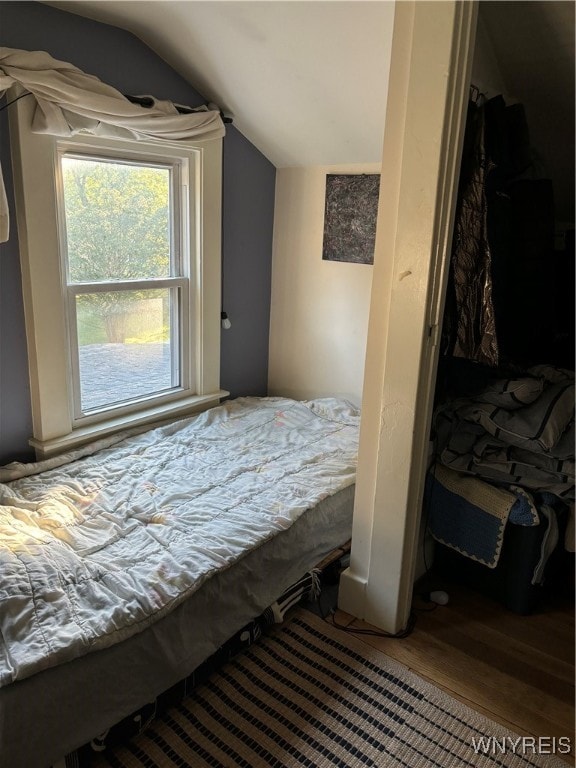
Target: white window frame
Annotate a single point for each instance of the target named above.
(35, 157)
(182, 168)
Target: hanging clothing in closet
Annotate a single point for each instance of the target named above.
(500, 294)
(469, 323)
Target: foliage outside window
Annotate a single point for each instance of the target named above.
(120, 223)
(120, 254)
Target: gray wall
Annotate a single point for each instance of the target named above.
(121, 60)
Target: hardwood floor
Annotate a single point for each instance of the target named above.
(516, 670)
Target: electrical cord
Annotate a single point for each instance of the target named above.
(5, 106)
(329, 615)
(426, 610)
(409, 628)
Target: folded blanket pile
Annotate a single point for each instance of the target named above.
(517, 432)
(470, 515)
(497, 452)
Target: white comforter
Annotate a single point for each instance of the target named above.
(96, 549)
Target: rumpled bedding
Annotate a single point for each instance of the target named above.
(516, 432)
(97, 546)
(504, 454)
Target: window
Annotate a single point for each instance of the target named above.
(127, 284)
(120, 246)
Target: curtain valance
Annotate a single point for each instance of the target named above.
(68, 101)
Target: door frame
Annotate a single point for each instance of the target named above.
(432, 51)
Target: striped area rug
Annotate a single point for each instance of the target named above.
(311, 695)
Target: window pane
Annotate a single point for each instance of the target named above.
(117, 220)
(127, 345)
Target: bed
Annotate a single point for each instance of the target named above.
(126, 563)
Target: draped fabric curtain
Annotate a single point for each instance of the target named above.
(68, 101)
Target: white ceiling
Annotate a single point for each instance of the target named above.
(306, 80)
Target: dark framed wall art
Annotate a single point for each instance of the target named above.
(350, 217)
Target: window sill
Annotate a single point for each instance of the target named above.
(148, 417)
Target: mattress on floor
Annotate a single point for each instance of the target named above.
(274, 540)
(56, 711)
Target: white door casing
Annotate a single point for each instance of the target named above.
(425, 119)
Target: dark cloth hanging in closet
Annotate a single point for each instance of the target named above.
(520, 222)
(524, 288)
(500, 303)
(470, 323)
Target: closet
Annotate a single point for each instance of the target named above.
(503, 420)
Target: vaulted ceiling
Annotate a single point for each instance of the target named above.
(306, 80)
